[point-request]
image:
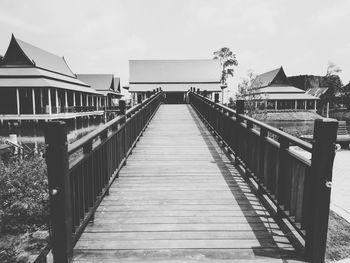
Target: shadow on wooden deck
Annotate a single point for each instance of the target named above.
(274, 243)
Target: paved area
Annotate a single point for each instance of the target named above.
(340, 199)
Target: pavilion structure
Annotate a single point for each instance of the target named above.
(174, 77)
(107, 85)
(273, 91)
(38, 85)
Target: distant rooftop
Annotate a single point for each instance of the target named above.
(276, 76)
(175, 71)
(104, 83)
(98, 81)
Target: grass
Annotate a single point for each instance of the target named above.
(338, 240)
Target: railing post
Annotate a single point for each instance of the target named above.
(122, 107)
(263, 135)
(238, 137)
(281, 175)
(59, 190)
(239, 109)
(248, 148)
(323, 152)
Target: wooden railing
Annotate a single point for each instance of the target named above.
(297, 185)
(81, 173)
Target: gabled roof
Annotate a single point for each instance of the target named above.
(35, 56)
(117, 84)
(104, 83)
(98, 81)
(175, 71)
(317, 92)
(276, 76)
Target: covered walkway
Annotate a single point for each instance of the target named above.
(180, 199)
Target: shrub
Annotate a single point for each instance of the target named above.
(23, 195)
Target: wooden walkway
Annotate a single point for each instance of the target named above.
(180, 199)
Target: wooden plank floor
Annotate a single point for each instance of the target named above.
(179, 199)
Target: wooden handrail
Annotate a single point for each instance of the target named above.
(298, 188)
(94, 134)
(81, 174)
(294, 140)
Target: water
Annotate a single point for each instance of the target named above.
(295, 128)
(31, 134)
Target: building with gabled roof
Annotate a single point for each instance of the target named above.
(106, 84)
(174, 77)
(38, 85)
(272, 90)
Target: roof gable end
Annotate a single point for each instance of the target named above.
(276, 76)
(31, 55)
(280, 78)
(15, 55)
(117, 84)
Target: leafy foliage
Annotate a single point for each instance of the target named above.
(332, 79)
(23, 195)
(228, 61)
(247, 93)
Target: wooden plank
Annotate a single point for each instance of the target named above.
(193, 235)
(257, 255)
(178, 244)
(179, 198)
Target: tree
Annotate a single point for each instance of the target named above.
(253, 101)
(334, 84)
(228, 61)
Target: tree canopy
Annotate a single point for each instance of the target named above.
(227, 60)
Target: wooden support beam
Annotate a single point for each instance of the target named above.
(18, 105)
(323, 152)
(59, 190)
(56, 99)
(65, 99)
(49, 100)
(74, 99)
(33, 100)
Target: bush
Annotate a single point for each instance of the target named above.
(23, 195)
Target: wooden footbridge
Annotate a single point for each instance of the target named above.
(195, 182)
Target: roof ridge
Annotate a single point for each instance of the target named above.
(25, 42)
(270, 71)
(44, 59)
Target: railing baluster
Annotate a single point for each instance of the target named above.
(323, 152)
(290, 181)
(59, 190)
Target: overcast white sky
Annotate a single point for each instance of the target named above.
(101, 36)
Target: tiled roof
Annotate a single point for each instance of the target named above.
(279, 89)
(42, 82)
(9, 72)
(265, 79)
(44, 59)
(317, 92)
(287, 96)
(98, 81)
(117, 84)
(175, 71)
